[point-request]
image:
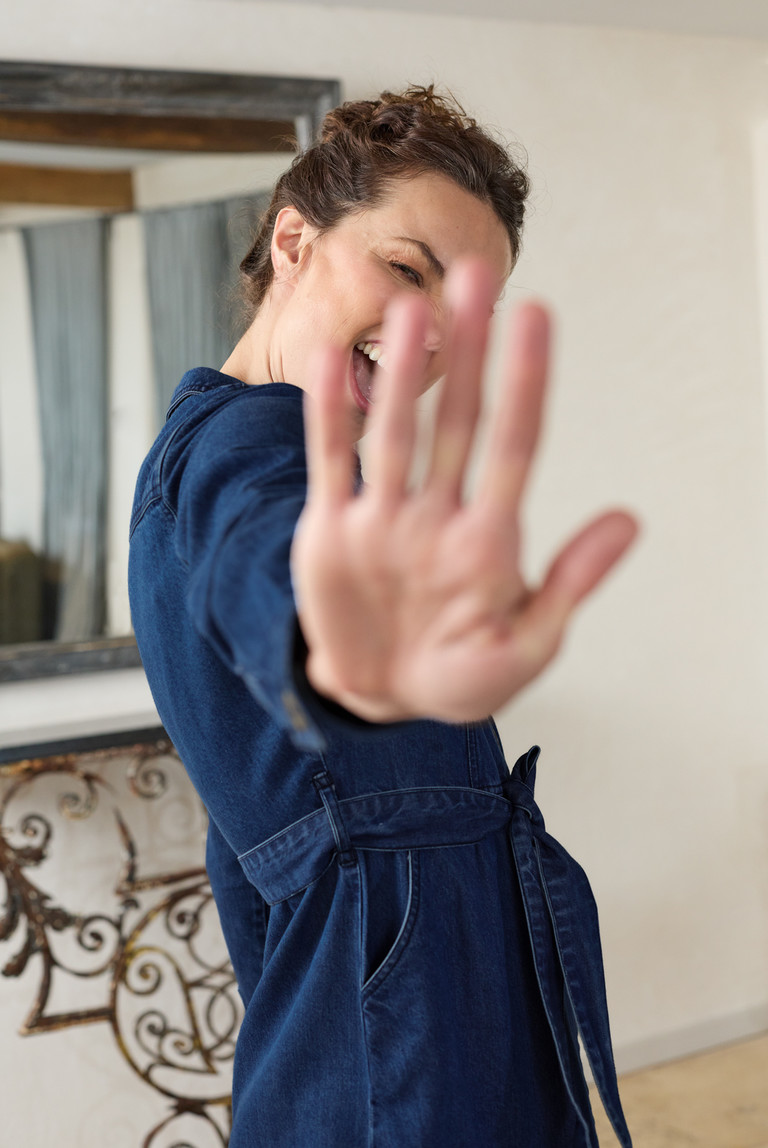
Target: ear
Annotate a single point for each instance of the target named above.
(290, 238)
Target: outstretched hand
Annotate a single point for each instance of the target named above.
(412, 602)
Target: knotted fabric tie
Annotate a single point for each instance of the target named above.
(559, 907)
(565, 940)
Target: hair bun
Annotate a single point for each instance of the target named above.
(351, 118)
(393, 115)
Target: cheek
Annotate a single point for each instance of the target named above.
(321, 316)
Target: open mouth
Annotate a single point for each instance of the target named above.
(367, 358)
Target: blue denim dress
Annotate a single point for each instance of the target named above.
(417, 956)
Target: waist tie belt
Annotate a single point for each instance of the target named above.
(559, 907)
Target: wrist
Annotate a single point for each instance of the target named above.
(372, 709)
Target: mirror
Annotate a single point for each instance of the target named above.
(110, 178)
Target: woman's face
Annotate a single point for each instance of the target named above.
(335, 287)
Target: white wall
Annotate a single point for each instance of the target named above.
(642, 234)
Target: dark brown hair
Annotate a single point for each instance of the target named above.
(364, 145)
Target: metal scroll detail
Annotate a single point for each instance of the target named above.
(147, 951)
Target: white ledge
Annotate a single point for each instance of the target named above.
(76, 705)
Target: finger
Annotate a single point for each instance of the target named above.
(576, 571)
(470, 293)
(517, 420)
(393, 418)
(587, 558)
(327, 430)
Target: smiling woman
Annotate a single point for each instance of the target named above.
(417, 956)
(334, 286)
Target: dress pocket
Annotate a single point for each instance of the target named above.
(389, 883)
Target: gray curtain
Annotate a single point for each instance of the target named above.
(193, 254)
(67, 265)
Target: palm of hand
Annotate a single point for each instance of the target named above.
(412, 602)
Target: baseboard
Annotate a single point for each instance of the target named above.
(689, 1041)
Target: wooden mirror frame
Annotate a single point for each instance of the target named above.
(147, 109)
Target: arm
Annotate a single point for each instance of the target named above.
(237, 489)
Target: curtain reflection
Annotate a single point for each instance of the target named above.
(192, 258)
(85, 397)
(67, 265)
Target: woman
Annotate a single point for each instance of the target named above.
(414, 952)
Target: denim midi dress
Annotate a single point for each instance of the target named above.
(417, 956)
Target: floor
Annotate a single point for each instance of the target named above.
(718, 1099)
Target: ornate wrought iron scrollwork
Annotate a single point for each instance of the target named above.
(169, 992)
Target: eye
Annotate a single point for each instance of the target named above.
(408, 273)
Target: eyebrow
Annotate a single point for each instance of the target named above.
(428, 253)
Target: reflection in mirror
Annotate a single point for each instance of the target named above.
(118, 268)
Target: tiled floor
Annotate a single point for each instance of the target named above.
(718, 1099)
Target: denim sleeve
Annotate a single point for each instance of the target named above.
(237, 490)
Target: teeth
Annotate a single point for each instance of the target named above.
(374, 352)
